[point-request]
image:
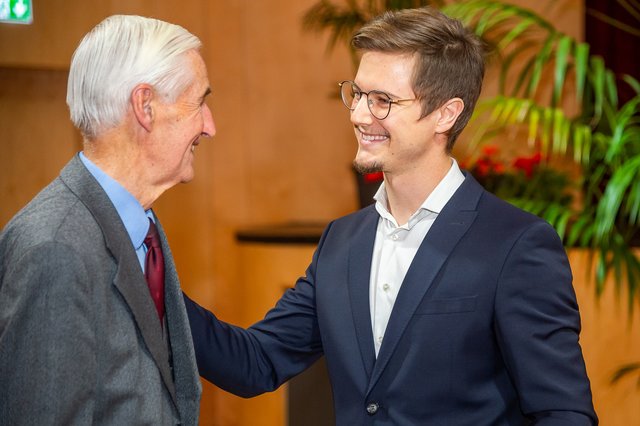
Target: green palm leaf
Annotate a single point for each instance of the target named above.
(617, 188)
(562, 62)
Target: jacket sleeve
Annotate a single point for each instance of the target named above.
(537, 325)
(248, 362)
(47, 339)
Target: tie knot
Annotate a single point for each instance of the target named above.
(153, 238)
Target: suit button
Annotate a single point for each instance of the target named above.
(372, 408)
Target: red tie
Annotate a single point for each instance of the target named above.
(154, 268)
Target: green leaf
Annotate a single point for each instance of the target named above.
(515, 32)
(522, 111)
(621, 132)
(611, 87)
(558, 131)
(538, 65)
(577, 230)
(624, 371)
(534, 120)
(564, 136)
(547, 123)
(518, 51)
(581, 61)
(484, 20)
(562, 60)
(614, 22)
(588, 143)
(634, 203)
(563, 221)
(601, 272)
(609, 205)
(598, 83)
(510, 106)
(635, 85)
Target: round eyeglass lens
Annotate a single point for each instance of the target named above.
(379, 104)
(348, 92)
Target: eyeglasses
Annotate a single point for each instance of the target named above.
(379, 102)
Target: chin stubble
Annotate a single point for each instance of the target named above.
(364, 169)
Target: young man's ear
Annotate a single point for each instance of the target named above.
(449, 113)
(141, 97)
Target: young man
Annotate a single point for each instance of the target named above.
(84, 337)
(441, 304)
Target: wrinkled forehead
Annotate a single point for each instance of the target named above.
(198, 67)
(199, 82)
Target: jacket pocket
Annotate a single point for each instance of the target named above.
(447, 306)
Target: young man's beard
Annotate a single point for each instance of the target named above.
(364, 169)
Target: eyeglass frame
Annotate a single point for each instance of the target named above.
(369, 102)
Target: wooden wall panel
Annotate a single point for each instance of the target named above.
(49, 42)
(36, 136)
(609, 340)
(58, 26)
(282, 152)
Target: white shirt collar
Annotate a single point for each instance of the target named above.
(434, 203)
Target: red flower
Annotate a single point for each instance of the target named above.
(490, 150)
(527, 164)
(483, 167)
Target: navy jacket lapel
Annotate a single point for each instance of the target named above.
(451, 224)
(129, 278)
(360, 255)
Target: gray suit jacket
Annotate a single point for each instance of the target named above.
(80, 340)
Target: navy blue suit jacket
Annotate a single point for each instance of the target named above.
(484, 330)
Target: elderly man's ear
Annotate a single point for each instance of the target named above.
(141, 98)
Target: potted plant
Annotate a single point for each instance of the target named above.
(603, 138)
(525, 180)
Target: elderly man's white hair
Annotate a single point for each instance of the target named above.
(119, 53)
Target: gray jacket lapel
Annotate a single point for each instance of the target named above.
(129, 278)
(451, 224)
(185, 372)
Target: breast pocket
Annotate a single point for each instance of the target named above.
(447, 306)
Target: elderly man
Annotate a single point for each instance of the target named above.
(93, 329)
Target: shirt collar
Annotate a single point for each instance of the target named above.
(434, 203)
(131, 212)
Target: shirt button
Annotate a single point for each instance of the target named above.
(386, 287)
(394, 237)
(379, 339)
(372, 408)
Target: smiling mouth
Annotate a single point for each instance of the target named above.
(373, 138)
(369, 137)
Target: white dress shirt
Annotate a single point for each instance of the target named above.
(395, 247)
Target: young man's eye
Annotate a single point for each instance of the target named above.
(381, 99)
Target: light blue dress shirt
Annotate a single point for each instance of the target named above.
(131, 212)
